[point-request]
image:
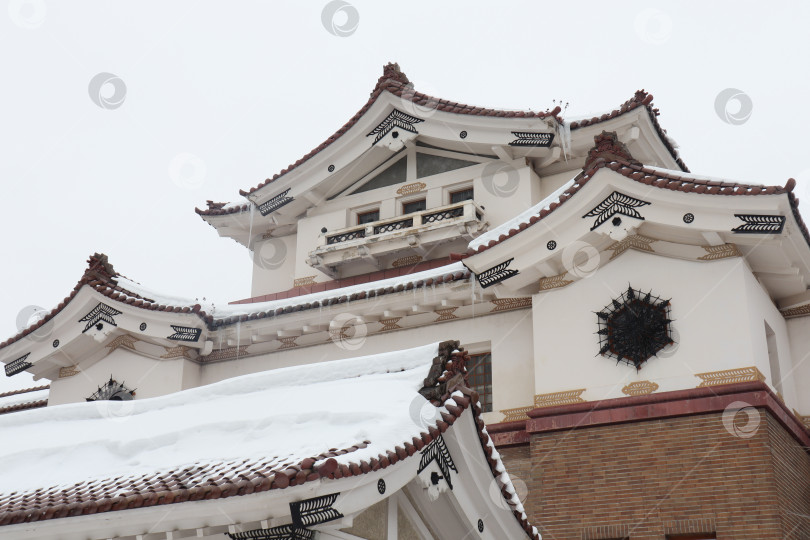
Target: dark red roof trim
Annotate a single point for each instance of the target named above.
(246, 477)
(100, 275)
(640, 99)
(24, 406)
(347, 282)
(397, 83)
(25, 390)
(651, 177)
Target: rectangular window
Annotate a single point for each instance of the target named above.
(413, 206)
(368, 217)
(461, 195)
(479, 377)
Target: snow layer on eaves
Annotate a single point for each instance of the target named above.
(290, 413)
(523, 217)
(228, 310)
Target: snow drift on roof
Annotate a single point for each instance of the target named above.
(289, 413)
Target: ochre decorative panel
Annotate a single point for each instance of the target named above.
(553, 399)
(729, 376)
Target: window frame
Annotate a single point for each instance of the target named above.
(359, 215)
(412, 201)
(484, 397)
(455, 191)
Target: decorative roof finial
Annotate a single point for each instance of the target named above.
(99, 267)
(392, 73)
(608, 147)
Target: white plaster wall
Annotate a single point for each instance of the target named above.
(710, 309)
(148, 377)
(274, 261)
(503, 195)
(507, 335)
(799, 337)
(551, 183)
(761, 310)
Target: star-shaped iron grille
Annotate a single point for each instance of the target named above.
(634, 327)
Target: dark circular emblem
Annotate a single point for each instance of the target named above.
(463, 134)
(55, 343)
(142, 326)
(395, 134)
(331, 168)
(617, 221)
(688, 217)
(634, 327)
(480, 525)
(551, 245)
(381, 486)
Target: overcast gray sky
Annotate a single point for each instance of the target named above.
(229, 93)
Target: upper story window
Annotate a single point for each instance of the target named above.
(368, 217)
(413, 206)
(461, 195)
(479, 377)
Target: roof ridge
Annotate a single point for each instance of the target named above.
(395, 81)
(25, 390)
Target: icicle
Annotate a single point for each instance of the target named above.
(250, 232)
(564, 136)
(238, 332)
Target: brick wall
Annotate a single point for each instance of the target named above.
(672, 476)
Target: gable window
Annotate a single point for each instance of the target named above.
(461, 195)
(368, 217)
(428, 164)
(395, 174)
(479, 377)
(413, 206)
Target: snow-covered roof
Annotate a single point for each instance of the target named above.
(609, 153)
(264, 431)
(102, 277)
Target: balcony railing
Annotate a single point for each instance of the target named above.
(409, 221)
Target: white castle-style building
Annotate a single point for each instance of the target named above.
(628, 355)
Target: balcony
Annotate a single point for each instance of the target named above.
(416, 233)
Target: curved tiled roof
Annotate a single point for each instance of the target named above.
(641, 98)
(397, 83)
(102, 278)
(651, 177)
(205, 481)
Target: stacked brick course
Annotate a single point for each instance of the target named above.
(665, 477)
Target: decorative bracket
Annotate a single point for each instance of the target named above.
(275, 202)
(314, 511)
(18, 365)
(284, 532)
(615, 203)
(755, 224)
(496, 274)
(532, 139)
(185, 333)
(395, 120)
(436, 452)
